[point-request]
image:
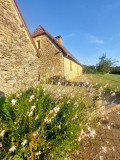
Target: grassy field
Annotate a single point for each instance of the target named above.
(110, 81)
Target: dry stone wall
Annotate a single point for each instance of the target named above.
(19, 64)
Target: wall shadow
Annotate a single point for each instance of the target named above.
(55, 79)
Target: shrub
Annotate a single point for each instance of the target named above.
(35, 126)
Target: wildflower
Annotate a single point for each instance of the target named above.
(59, 83)
(36, 117)
(101, 158)
(1, 145)
(49, 120)
(12, 149)
(68, 101)
(51, 111)
(75, 117)
(108, 127)
(33, 107)
(18, 95)
(24, 142)
(13, 101)
(29, 114)
(103, 149)
(59, 94)
(113, 94)
(87, 83)
(46, 119)
(38, 153)
(113, 148)
(93, 133)
(2, 133)
(38, 89)
(118, 113)
(59, 126)
(31, 98)
(56, 109)
(35, 133)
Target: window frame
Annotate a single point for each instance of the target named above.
(38, 44)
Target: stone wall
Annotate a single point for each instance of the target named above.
(71, 69)
(51, 60)
(19, 64)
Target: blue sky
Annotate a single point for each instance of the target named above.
(89, 28)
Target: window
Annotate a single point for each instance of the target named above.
(38, 43)
(70, 65)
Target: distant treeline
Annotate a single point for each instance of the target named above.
(95, 69)
(105, 65)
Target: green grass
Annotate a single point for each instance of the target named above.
(47, 126)
(112, 81)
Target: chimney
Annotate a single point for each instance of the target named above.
(59, 39)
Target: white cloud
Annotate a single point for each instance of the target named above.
(94, 39)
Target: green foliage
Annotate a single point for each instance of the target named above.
(90, 69)
(105, 64)
(115, 70)
(35, 126)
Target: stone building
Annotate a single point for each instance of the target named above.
(55, 60)
(19, 62)
(24, 59)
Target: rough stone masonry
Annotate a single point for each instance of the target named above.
(19, 63)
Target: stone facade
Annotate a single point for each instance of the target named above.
(19, 63)
(51, 59)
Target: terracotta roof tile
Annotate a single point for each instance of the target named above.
(40, 30)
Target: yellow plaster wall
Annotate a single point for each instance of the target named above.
(76, 69)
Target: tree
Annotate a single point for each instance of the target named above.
(105, 64)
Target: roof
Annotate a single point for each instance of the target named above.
(24, 24)
(40, 31)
